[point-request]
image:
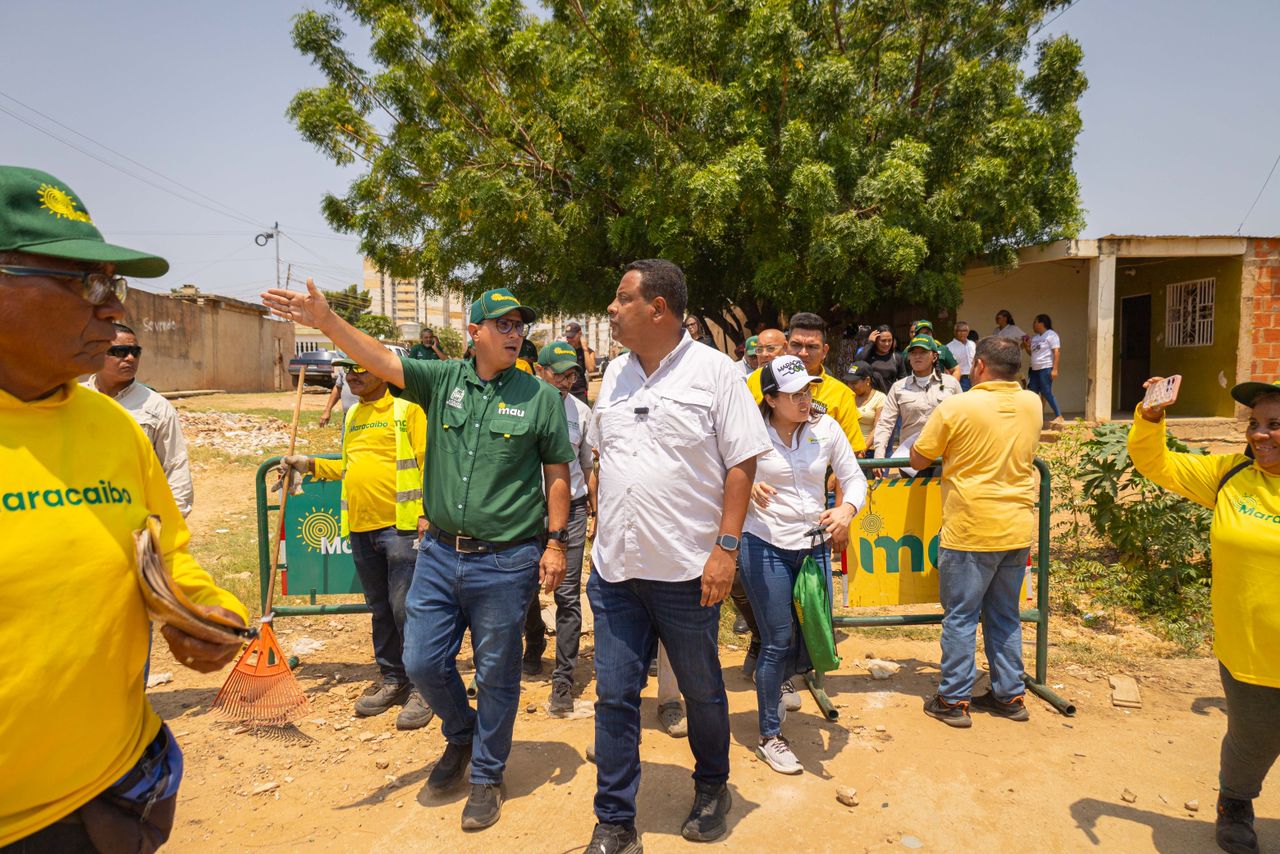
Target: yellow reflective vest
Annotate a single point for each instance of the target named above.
(408, 495)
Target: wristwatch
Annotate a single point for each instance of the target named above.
(728, 542)
(559, 536)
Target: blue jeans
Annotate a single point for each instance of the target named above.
(488, 593)
(384, 561)
(630, 618)
(973, 586)
(1041, 381)
(965, 382)
(769, 575)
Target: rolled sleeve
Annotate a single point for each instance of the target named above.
(740, 430)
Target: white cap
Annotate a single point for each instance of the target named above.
(785, 374)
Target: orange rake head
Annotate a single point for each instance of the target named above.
(261, 689)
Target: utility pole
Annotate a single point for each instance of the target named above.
(273, 234)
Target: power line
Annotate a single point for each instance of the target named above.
(237, 213)
(1259, 196)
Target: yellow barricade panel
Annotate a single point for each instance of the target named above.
(893, 544)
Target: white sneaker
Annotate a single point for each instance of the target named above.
(790, 696)
(777, 754)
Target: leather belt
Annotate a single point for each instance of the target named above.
(470, 545)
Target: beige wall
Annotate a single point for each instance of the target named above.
(211, 344)
(1059, 289)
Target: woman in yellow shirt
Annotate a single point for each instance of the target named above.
(1243, 491)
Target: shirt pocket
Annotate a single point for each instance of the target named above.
(452, 418)
(685, 417)
(509, 437)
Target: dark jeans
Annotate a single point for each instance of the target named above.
(965, 382)
(769, 575)
(487, 593)
(630, 618)
(384, 561)
(568, 598)
(1252, 742)
(1041, 382)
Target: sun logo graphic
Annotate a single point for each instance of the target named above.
(1249, 504)
(322, 533)
(872, 524)
(59, 203)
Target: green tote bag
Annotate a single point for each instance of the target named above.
(813, 610)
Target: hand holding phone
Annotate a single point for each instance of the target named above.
(1162, 392)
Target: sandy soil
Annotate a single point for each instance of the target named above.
(340, 783)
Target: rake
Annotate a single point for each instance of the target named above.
(261, 689)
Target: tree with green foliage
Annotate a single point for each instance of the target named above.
(377, 325)
(350, 303)
(451, 341)
(789, 154)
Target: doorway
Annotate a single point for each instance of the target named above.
(1135, 349)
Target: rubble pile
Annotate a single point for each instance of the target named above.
(236, 433)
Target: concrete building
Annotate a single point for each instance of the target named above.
(1130, 307)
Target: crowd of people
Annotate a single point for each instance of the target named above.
(468, 485)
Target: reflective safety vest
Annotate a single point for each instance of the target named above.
(408, 474)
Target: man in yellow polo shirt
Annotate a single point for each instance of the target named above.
(987, 440)
(807, 338)
(384, 441)
(85, 762)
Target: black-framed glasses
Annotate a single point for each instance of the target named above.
(121, 351)
(98, 287)
(691, 324)
(768, 349)
(505, 326)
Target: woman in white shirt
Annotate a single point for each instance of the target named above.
(789, 501)
(1044, 347)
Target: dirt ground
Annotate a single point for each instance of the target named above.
(1106, 780)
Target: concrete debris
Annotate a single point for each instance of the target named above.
(306, 646)
(159, 679)
(911, 842)
(1128, 797)
(1192, 806)
(881, 669)
(265, 787)
(1124, 692)
(847, 795)
(366, 737)
(235, 433)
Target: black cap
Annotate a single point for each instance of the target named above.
(859, 371)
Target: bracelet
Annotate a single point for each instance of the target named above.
(556, 545)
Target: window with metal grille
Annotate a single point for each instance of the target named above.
(1189, 314)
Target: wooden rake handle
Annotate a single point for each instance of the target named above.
(284, 498)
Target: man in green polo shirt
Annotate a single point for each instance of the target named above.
(428, 348)
(496, 437)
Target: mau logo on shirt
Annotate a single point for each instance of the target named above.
(503, 409)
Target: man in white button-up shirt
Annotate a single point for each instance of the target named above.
(677, 434)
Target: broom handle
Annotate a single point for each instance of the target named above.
(284, 497)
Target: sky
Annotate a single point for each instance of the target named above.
(1180, 127)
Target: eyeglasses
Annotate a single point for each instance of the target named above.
(120, 351)
(768, 349)
(803, 396)
(98, 287)
(505, 327)
(690, 324)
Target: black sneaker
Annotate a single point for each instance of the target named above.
(533, 649)
(1234, 832)
(749, 663)
(450, 768)
(383, 697)
(740, 626)
(706, 820)
(416, 713)
(1014, 710)
(951, 714)
(614, 839)
(484, 805)
(561, 702)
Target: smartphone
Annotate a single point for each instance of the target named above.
(1163, 393)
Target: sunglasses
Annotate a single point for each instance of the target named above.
(357, 370)
(121, 351)
(98, 287)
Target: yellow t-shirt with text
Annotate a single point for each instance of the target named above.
(77, 478)
(370, 482)
(987, 440)
(1244, 543)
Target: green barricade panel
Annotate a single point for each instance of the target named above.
(316, 556)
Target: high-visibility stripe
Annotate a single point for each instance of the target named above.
(409, 495)
(411, 463)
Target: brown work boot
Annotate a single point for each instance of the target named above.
(383, 697)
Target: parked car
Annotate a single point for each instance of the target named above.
(316, 366)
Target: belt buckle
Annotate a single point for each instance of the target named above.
(462, 544)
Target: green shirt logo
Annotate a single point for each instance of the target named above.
(503, 409)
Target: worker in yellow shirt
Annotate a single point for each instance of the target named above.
(383, 443)
(807, 338)
(1243, 491)
(85, 762)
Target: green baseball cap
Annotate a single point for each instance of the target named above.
(345, 362)
(921, 324)
(1247, 393)
(752, 343)
(925, 342)
(558, 356)
(496, 303)
(41, 215)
